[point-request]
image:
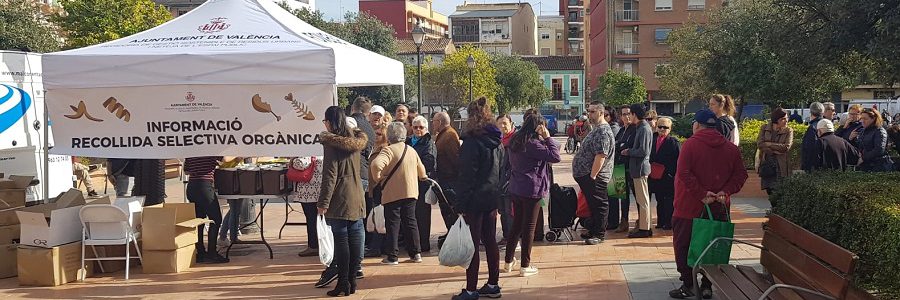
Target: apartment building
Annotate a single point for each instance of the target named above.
(551, 35)
(180, 7)
(631, 35)
(433, 51)
(573, 13)
(405, 15)
(509, 28)
(564, 77)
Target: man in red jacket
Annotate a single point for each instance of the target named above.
(700, 181)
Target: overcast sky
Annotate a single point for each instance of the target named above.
(333, 9)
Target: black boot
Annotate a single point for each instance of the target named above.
(342, 289)
(352, 281)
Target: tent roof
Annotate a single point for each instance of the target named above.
(223, 42)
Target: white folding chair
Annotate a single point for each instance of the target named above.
(107, 225)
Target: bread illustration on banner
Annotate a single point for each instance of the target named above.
(113, 105)
(302, 110)
(263, 107)
(81, 111)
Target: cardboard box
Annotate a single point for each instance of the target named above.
(8, 261)
(170, 226)
(9, 234)
(54, 225)
(50, 266)
(112, 266)
(169, 261)
(15, 182)
(12, 191)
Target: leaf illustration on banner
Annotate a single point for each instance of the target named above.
(81, 111)
(113, 105)
(263, 107)
(301, 108)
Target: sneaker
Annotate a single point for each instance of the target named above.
(490, 292)
(416, 259)
(508, 267)
(390, 262)
(308, 252)
(682, 293)
(593, 241)
(328, 276)
(466, 295)
(640, 234)
(92, 193)
(528, 271)
(360, 275)
(215, 259)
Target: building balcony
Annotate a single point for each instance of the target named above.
(627, 48)
(467, 38)
(579, 20)
(576, 3)
(629, 15)
(576, 35)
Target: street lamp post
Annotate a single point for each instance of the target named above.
(471, 63)
(418, 35)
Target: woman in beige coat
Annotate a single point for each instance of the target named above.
(774, 142)
(401, 189)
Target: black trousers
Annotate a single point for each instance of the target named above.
(423, 218)
(401, 213)
(595, 193)
(312, 233)
(206, 205)
(665, 207)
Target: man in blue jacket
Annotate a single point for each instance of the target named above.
(810, 152)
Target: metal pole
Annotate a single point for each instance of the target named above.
(419, 68)
(45, 181)
(470, 86)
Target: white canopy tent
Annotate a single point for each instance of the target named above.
(232, 77)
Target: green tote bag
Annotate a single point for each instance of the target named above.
(616, 186)
(703, 232)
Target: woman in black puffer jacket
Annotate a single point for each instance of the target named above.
(478, 189)
(872, 143)
(421, 141)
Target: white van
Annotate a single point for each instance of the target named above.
(892, 105)
(22, 126)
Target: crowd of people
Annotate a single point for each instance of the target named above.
(493, 169)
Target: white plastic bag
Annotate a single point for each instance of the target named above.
(458, 248)
(431, 196)
(375, 221)
(326, 241)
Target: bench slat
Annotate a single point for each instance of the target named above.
(760, 282)
(742, 282)
(726, 289)
(805, 266)
(830, 253)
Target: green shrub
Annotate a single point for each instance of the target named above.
(858, 211)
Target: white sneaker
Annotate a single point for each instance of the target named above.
(528, 271)
(508, 267)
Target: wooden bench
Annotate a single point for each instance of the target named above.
(798, 263)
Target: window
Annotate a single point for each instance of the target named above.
(545, 36)
(558, 36)
(663, 4)
(696, 4)
(573, 84)
(662, 34)
(556, 87)
(628, 67)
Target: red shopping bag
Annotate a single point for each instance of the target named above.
(583, 210)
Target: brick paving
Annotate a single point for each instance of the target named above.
(620, 268)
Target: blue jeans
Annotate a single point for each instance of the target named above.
(231, 223)
(348, 240)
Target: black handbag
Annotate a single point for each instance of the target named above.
(379, 188)
(769, 167)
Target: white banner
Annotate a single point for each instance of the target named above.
(189, 120)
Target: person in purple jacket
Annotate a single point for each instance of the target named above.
(530, 152)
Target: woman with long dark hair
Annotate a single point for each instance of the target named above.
(341, 199)
(530, 153)
(477, 191)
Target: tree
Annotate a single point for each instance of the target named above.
(451, 79)
(23, 27)
(519, 83)
(89, 22)
(618, 87)
(683, 78)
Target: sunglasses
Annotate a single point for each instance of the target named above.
(663, 127)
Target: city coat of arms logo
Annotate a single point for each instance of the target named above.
(190, 97)
(214, 25)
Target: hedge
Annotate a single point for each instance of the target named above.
(859, 212)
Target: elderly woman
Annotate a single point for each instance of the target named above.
(663, 163)
(872, 143)
(478, 189)
(340, 198)
(374, 240)
(397, 169)
(774, 142)
(422, 141)
(307, 193)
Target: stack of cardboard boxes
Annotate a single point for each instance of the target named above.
(49, 251)
(12, 197)
(169, 233)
